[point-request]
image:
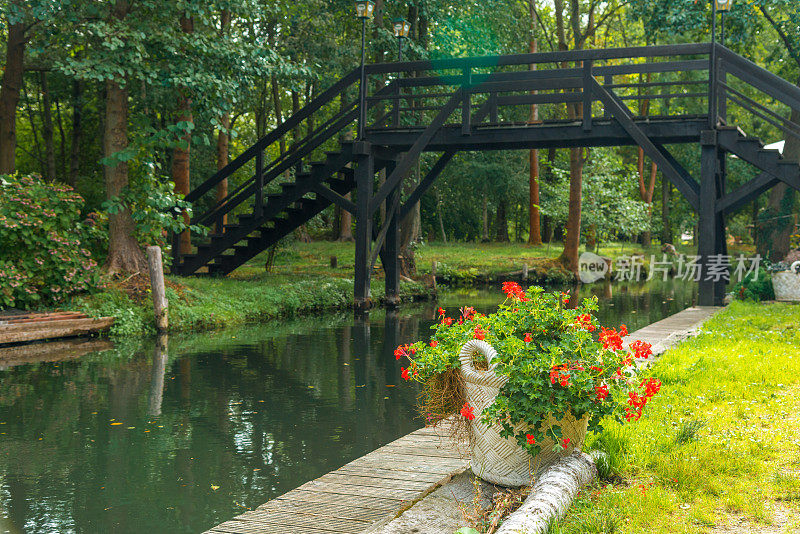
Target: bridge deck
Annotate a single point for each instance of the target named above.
(374, 489)
(551, 134)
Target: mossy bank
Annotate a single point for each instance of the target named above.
(203, 303)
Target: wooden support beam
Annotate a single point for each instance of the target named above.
(365, 175)
(707, 225)
(402, 168)
(334, 197)
(732, 202)
(425, 183)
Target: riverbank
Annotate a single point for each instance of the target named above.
(205, 303)
(717, 449)
(304, 279)
(462, 264)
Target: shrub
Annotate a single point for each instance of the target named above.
(553, 362)
(43, 240)
(755, 286)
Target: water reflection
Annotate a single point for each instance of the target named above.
(179, 434)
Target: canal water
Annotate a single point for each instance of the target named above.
(181, 435)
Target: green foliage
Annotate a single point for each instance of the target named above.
(755, 286)
(150, 201)
(43, 242)
(553, 364)
(129, 319)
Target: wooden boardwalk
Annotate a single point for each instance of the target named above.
(361, 495)
(372, 490)
(667, 332)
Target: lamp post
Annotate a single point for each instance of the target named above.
(723, 6)
(364, 11)
(401, 30)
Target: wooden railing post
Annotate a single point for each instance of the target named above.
(258, 206)
(587, 95)
(608, 80)
(712, 83)
(466, 103)
(722, 94)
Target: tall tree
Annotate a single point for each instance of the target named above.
(180, 156)
(124, 253)
(778, 224)
(535, 234)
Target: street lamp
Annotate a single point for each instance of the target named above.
(364, 11)
(401, 30)
(723, 6)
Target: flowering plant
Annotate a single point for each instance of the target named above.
(557, 360)
(45, 246)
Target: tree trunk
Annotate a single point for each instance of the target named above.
(535, 235)
(501, 229)
(223, 142)
(573, 238)
(223, 134)
(124, 253)
(75, 144)
(485, 221)
(777, 223)
(9, 95)
(180, 156)
(439, 216)
(47, 130)
(345, 223)
(666, 226)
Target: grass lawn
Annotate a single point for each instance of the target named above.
(477, 258)
(718, 449)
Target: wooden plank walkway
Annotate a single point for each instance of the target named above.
(667, 332)
(372, 490)
(361, 495)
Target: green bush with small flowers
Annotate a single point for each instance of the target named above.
(554, 363)
(44, 243)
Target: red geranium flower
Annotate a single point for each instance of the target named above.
(467, 412)
(479, 333)
(602, 392)
(641, 349)
(434, 343)
(447, 321)
(528, 337)
(405, 374)
(531, 439)
(441, 312)
(611, 339)
(565, 442)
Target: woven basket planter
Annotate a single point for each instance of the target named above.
(786, 285)
(500, 460)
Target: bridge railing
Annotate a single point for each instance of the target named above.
(660, 81)
(754, 98)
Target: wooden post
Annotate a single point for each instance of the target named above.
(365, 175)
(524, 272)
(157, 377)
(156, 269)
(334, 262)
(433, 274)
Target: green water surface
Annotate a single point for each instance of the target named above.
(181, 435)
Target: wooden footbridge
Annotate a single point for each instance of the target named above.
(697, 93)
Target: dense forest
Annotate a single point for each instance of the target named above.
(134, 102)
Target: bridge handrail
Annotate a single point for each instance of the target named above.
(542, 57)
(273, 136)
